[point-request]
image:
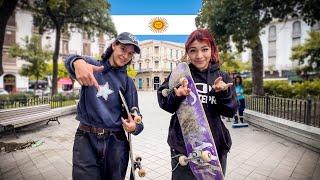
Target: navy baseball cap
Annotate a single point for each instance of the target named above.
(128, 38)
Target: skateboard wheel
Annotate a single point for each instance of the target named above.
(183, 160)
(138, 119)
(181, 80)
(206, 156)
(138, 158)
(165, 92)
(142, 173)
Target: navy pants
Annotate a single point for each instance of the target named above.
(99, 156)
(242, 106)
(184, 172)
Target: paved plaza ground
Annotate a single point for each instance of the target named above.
(255, 154)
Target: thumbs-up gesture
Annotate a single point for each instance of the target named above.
(129, 124)
(84, 73)
(220, 85)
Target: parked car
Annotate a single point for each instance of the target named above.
(3, 92)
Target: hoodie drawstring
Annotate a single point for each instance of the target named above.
(208, 73)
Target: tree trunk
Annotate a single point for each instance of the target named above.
(36, 84)
(6, 10)
(257, 68)
(55, 61)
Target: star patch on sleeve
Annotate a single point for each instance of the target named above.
(104, 91)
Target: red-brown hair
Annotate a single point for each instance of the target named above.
(204, 35)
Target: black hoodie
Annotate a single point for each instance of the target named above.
(214, 104)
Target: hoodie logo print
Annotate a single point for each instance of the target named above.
(202, 90)
(104, 91)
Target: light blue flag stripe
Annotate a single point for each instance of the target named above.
(151, 7)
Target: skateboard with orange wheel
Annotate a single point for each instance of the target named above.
(135, 162)
(202, 155)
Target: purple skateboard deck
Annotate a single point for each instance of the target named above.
(195, 129)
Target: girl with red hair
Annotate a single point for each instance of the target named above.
(215, 90)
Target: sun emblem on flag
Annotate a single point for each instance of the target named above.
(158, 24)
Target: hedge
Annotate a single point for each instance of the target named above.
(281, 88)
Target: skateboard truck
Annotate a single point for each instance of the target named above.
(137, 165)
(134, 112)
(165, 92)
(199, 156)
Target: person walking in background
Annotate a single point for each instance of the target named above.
(241, 100)
(101, 149)
(217, 93)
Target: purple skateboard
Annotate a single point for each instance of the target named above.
(202, 153)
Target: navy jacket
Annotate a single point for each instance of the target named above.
(97, 112)
(214, 103)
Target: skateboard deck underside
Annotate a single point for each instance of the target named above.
(195, 128)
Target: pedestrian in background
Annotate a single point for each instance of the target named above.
(240, 98)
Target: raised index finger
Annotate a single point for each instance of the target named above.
(218, 80)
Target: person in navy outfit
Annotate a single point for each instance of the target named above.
(101, 149)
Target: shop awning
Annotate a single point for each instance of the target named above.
(64, 81)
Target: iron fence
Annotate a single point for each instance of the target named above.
(54, 101)
(297, 110)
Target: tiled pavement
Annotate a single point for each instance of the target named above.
(255, 154)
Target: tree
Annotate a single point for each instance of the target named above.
(91, 16)
(242, 22)
(232, 63)
(6, 10)
(308, 53)
(34, 55)
(62, 71)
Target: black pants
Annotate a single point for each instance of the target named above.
(184, 172)
(242, 106)
(99, 156)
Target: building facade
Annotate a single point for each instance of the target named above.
(21, 25)
(277, 40)
(155, 62)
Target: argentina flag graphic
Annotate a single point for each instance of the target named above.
(168, 20)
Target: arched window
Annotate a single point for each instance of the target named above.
(272, 48)
(296, 33)
(296, 29)
(272, 33)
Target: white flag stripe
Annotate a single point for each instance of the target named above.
(139, 24)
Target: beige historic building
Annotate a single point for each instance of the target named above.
(20, 25)
(155, 62)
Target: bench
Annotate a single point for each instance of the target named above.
(18, 117)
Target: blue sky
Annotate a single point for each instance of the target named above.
(122, 10)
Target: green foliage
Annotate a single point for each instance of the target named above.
(247, 84)
(90, 15)
(131, 72)
(281, 88)
(282, 10)
(231, 62)
(278, 88)
(17, 96)
(62, 71)
(242, 22)
(309, 51)
(302, 90)
(238, 20)
(34, 55)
